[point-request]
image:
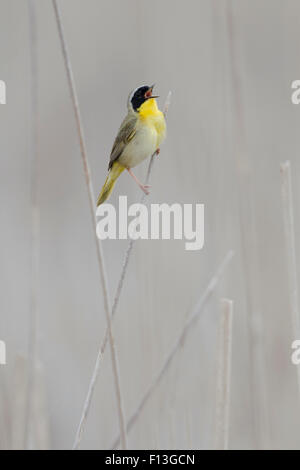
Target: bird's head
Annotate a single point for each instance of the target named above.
(139, 96)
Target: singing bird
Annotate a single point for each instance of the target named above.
(139, 136)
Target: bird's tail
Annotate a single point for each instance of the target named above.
(112, 176)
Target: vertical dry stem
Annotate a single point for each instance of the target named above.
(289, 229)
(257, 385)
(35, 216)
(223, 375)
(91, 197)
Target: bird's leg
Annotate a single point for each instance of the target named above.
(144, 187)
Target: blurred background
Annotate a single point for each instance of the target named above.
(229, 65)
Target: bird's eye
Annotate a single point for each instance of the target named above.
(148, 94)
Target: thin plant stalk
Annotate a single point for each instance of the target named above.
(223, 375)
(6, 413)
(40, 411)
(93, 381)
(99, 251)
(190, 322)
(18, 399)
(289, 230)
(35, 226)
(248, 234)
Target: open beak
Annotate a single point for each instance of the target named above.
(149, 93)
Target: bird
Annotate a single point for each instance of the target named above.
(140, 135)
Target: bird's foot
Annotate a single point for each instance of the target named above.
(145, 188)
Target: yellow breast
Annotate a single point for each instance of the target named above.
(151, 116)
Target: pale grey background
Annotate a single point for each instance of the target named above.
(115, 46)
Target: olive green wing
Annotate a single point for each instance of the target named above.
(126, 133)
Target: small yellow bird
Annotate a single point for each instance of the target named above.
(139, 136)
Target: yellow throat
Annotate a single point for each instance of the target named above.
(150, 115)
(148, 108)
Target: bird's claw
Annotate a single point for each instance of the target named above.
(145, 188)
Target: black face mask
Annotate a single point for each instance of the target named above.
(139, 97)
